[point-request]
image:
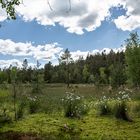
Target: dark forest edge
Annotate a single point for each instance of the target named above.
(115, 69)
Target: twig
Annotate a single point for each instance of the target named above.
(49, 5)
(69, 5)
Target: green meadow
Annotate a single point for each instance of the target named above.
(43, 115)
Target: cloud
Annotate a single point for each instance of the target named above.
(49, 52)
(3, 15)
(79, 16)
(39, 52)
(83, 54)
(7, 63)
(79, 54)
(131, 20)
(13, 62)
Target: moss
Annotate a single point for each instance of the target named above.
(90, 127)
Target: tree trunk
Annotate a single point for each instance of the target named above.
(14, 91)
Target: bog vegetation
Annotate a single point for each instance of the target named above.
(101, 98)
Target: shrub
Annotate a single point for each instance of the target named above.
(121, 108)
(36, 88)
(103, 106)
(20, 110)
(74, 105)
(4, 85)
(34, 104)
(4, 117)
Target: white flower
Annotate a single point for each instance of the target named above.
(119, 98)
(78, 98)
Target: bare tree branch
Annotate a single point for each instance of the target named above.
(69, 9)
(69, 5)
(49, 5)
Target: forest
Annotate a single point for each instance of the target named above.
(113, 68)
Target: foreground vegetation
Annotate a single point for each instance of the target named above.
(106, 106)
(43, 115)
(32, 109)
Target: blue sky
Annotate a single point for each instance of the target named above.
(109, 32)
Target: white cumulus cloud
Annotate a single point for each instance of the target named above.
(76, 17)
(3, 15)
(47, 52)
(83, 54)
(39, 52)
(13, 62)
(131, 20)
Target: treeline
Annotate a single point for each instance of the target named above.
(97, 69)
(113, 68)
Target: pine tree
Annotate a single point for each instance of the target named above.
(132, 56)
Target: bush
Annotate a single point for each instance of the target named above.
(121, 111)
(4, 117)
(74, 105)
(34, 104)
(20, 111)
(4, 85)
(36, 88)
(103, 106)
(121, 108)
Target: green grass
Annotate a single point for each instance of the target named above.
(90, 127)
(50, 123)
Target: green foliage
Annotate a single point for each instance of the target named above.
(103, 76)
(85, 74)
(94, 69)
(74, 106)
(91, 79)
(3, 77)
(132, 56)
(121, 108)
(117, 75)
(36, 89)
(14, 74)
(112, 68)
(14, 82)
(69, 131)
(20, 110)
(9, 7)
(25, 75)
(136, 109)
(34, 104)
(121, 111)
(48, 72)
(4, 117)
(66, 60)
(4, 85)
(56, 126)
(36, 80)
(103, 106)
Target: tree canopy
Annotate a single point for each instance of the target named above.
(9, 7)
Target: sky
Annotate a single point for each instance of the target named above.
(43, 31)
